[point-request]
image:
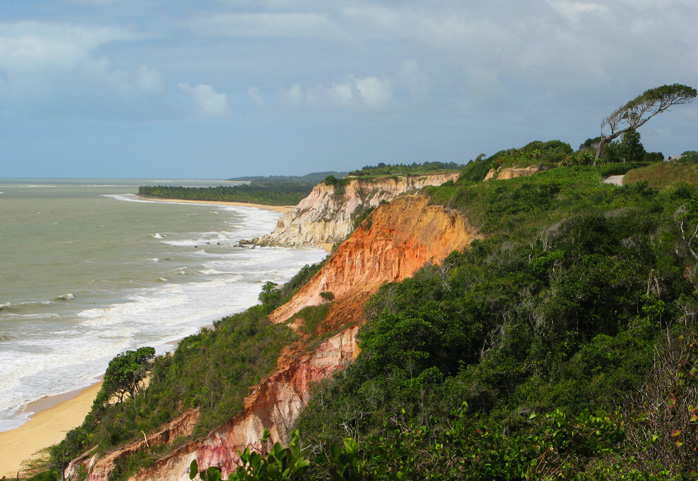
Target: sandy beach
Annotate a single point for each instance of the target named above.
(54, 417)
(276, 208)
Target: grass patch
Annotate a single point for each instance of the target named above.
(620, 168)
(312, 317)
(664, 175)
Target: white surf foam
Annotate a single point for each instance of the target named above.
(64, 360)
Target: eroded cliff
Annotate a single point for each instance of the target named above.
(511, 172)
(397, 240)
(392, 244)
(327, 215)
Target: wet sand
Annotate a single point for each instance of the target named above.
(55, 416)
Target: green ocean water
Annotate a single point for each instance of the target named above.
(87, 271)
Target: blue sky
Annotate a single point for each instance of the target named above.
(223, 88)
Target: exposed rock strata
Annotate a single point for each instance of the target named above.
(327, 215)
(511, 172)
(100, 467)
(397, 240)
(273, 405)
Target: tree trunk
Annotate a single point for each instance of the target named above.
(599, 147)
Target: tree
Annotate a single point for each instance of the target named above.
(631, 149)
(688, 221)
(125, 374)
(690, 156)
(638, 111)
(270, 295)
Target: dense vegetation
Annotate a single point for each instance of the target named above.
(561, 346)
(617, 157)
(406, 169)
(263, 192)
(266, 190)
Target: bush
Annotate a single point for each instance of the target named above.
(620, 168)
(327, 296)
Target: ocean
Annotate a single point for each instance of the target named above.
(87, 270)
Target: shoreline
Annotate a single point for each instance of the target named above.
(53, 417)
(276, 208)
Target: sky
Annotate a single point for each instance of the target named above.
(226, 88)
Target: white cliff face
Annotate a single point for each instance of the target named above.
(327, 215)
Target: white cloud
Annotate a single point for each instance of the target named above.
(354, 93)
(574, 10)
(254, 94)
(30, 46)
(293, 95)
(413, 79)
(369, 21)
(263, 24)
(375, 93)
(208, 103)
(55, 70)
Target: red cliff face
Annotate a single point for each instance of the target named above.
(273, 405)
(100, 467)
(397, 240)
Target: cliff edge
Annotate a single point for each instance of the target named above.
(327, 215)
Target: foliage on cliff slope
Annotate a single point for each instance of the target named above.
(562, 346)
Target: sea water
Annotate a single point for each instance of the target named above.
(88, 270)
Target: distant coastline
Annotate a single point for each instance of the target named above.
(276, 208)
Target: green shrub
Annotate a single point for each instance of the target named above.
(619, 168)
(327, 296)
(312, 316)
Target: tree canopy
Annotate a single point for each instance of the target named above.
(125, 374)
(638, 111)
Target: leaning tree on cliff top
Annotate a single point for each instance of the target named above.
(638, 111)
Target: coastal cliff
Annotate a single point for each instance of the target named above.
(327, 215)
(511, 172)
(392, 244)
